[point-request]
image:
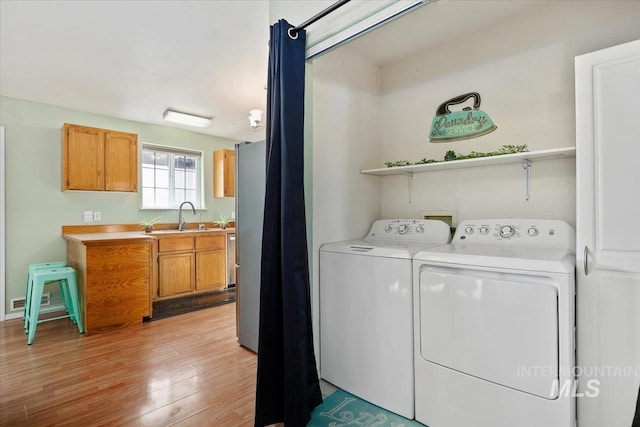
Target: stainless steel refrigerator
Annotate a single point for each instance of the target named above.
(250, 187)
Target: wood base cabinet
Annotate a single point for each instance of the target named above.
(114, 282)
(190, 264)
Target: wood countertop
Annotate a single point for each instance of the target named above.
(112, 237)
(95, 234)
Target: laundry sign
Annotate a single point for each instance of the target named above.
(448, 126)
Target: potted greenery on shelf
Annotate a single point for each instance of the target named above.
(148, 224)
(223, 221)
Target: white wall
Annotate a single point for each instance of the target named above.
(345, 140)
(523, 69)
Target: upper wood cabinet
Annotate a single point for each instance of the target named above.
(99, 159)
(224, 164)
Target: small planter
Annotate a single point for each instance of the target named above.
(147, 224)
(222, 222)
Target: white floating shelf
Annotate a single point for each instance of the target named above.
(553, 153)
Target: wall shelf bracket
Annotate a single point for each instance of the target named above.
(409, 176)
(526, 166)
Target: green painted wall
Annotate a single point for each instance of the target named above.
(36, 207)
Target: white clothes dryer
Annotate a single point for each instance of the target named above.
(494, 326)
(366, 311)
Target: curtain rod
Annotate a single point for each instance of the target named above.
(293, 32)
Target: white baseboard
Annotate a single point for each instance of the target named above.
(18, 314)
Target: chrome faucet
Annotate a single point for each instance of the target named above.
(180, 221)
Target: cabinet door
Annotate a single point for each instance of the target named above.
(608, 243)
(210, 267)
(82, 158)
(224, 162)
(121, 161)
(116, 289)
(229, 173)
(175, 273)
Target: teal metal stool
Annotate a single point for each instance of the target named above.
(67, 278)
(27, 299)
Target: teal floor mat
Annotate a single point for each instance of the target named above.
(342, 409)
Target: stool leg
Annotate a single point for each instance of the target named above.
(64, 288)
(64, 293)
(75, 301)
(27, 301)
(34, 312)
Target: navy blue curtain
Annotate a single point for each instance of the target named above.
(636, 419)
(287, 385)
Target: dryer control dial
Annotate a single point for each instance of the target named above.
(532, 231)
(468, 230)
(403, 228)
(388, 228)
(484, 230)
(420, 229)
(507, 231)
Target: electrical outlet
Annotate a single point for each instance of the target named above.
(97, 216)
(233, 214)
(87, 216)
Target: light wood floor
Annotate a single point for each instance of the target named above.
(186, 370)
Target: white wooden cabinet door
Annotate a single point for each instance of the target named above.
(608, 234)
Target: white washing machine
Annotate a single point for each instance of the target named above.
(494, 326)
(366, 311)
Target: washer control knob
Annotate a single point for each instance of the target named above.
(388, 228)
(468, 230)
(403, 228)
(532, 231)
(484, 230)
(420, 229)
(506, 231)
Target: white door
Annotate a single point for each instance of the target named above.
(2, 227)
(608, 236)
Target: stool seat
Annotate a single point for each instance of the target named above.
(66, 276)
(27, 300)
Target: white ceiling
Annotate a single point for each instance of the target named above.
(435, 23)
(135, 59)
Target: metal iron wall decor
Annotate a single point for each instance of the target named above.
(448, 126)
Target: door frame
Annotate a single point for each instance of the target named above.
(3, 269)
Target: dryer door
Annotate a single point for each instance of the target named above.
(499, 327)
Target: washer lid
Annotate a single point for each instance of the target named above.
(395, 238)
(549, 260)
(378, 248)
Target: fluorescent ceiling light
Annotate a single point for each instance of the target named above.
(187, 119)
